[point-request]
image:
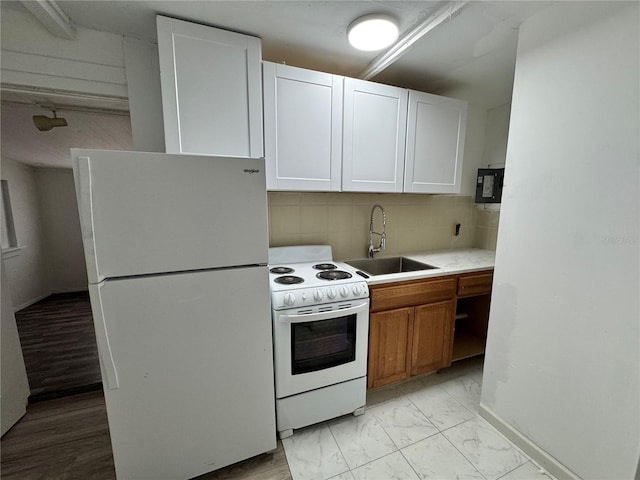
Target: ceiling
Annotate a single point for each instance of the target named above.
(471, 54)
(21, 141)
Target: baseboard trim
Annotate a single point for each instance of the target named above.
(538, 455)
(31, 302)
(52, 292)
(71, 290)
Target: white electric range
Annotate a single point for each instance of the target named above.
(320, 312)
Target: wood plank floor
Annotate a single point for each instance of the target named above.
(68, 439)
(59, 346)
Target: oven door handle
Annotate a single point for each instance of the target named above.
(314, 317)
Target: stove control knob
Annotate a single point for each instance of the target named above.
(356, 290)
(331, 293)
(344, 292)
(318, 295)
(304, 296)
(289, 299)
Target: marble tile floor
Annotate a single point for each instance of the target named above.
(427, 428)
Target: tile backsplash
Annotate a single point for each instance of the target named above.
(487, 228)
(415, 223)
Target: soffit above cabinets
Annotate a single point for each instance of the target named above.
(309, 34)
(478, 41)
(470, 55)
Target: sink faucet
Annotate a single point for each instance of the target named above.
(382, 235)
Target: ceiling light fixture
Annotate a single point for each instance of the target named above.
(44, 123)
(373, 32)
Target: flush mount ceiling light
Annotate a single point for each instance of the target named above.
(372, 32)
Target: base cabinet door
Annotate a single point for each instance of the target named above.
(432, 327)
(389, 346)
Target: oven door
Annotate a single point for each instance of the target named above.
(320, 346)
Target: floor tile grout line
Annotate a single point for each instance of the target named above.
(398, 448)
(463, 455)
(501, 435)
(375, 460)
(319, 426)
(410, 464)
(441, 431)
(448, 428)
(502, 476)
(438, 432)
(339, 449)
(511, 444)
(404, 396)
(457, 401)
(425, 415)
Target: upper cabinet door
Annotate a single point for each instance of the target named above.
(435, 143)
(303, 128)
(375, 123)
(211, 89)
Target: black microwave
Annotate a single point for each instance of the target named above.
(489, 185)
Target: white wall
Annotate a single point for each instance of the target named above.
(474, 145)
(562, 361)
(26, 271)
(497, 132)
(14, 385)
(61, 225)
(91, 63)
(145, 96)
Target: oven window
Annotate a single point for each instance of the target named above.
(323, 344)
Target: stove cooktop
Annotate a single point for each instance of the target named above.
(311, 274)
(305, 284)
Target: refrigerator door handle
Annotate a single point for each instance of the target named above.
(85, 202)
(110, 374)
(315, 317)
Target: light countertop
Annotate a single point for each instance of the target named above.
(448, 262)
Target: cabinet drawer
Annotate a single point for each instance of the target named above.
(475, 284)
(407, 294)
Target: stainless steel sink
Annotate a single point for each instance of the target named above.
(388, 265)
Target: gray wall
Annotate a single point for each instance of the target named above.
(47, 227)
(61, 228)
(26, 269)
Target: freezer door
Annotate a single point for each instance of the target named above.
(188, 370)
(144, 213)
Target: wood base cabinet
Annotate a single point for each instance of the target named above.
(472, 314)
(421, 326)
(414, 339)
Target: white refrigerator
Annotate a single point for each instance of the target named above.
(176, 251)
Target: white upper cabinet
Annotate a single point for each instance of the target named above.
(435, 143)
(303, 128)
(373, 152)
(211, 89)
(325, 132)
